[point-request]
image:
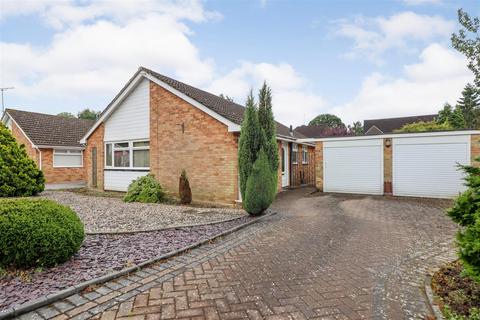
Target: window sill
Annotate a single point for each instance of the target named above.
(67, 166)
(126, 169)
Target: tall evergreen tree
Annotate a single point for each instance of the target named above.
(249, 143)
(451, 118)
(267, 123)
(469, 105)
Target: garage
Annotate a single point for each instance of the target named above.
(427, 166)
(353, 166)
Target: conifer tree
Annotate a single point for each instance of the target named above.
(267, 123)
(469, 105)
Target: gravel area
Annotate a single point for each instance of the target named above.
(103, 214)
(100, 255)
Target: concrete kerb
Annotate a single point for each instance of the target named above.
(430, 299)
(50, 298)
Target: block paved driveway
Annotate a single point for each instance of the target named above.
(321, 257)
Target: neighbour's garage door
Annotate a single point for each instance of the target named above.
(427, 167)
(354, 166)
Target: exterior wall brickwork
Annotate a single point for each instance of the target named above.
(59, 175)
(475, 149)
(303, 173)
(22, 139)
(94, 141)
(387, 166)
(319, 166)
(184, 137)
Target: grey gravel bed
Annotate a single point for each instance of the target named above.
(103, 214)
(102, 254)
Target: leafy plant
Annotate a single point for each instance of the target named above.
(19, 175)
(268, 125)
(327, 120)
(184, 189)
(88, 114)
(261, 186)
(145, 189)
(450, 315)
(422, 126)
(37, 233)
(468, 241)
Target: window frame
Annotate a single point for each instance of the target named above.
(294, 152)
(67, 153)
(130, 149)
(304, 155)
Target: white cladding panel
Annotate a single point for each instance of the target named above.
(354, 166)
(117, 180)
(131, 119)
(427, 167)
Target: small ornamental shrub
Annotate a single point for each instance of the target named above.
(261, 186)
(19, 175)
(37, 233)
(184, 189)
(145, 189)
(424, 127)
(469, 249)
(468, 203)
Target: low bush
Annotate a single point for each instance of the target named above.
(424, 127)
(145, 189)
(184, 189)
(37, 233)
(468, 203)
(469, 249)
(19, 175)
(261, 186)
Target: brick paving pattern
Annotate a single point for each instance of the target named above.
(321, 257)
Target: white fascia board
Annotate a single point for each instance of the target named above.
(395, 135)
(232, 127)
(60, 147)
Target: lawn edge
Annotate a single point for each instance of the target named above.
(51, 298)
(431, 300)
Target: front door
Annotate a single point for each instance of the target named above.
(285, 169)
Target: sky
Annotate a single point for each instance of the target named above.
(356, 59)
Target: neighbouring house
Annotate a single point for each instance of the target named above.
(389, 125)
(159, 125)
(320, 131)
(53, 142)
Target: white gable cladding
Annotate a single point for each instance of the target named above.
(131, 119)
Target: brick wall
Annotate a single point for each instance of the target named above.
(475, 149)
(387, 166)
(303, 174)
(22, 139)
(184, 137)
(319, 165)
(59, 175)
(95, 140)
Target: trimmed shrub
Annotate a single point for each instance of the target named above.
(184, 189)
(422, 126)
(469, 249)
(145, 189)
(261, 186)
(468, 203)
(19, 175)
(37, 233)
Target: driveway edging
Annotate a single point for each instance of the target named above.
(50, 298)
(430, 298)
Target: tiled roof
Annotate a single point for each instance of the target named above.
(49, 130)
(227, 109)
(388, 125)
(316, 131)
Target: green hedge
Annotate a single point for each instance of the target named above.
(19, 175)
(37, 233)
(145, 189)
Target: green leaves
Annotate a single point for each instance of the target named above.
(19, 175)
(327, 120)
(145, 189)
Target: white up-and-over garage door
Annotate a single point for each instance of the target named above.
(353, 166)
(427, 166)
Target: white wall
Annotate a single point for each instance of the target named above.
(117, 180)
(131, 119)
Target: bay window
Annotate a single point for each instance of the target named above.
(66, 158)
(127, 154)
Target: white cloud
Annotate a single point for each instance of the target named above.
(293, 101)
(421, 2)
(439, 77)
(372, 37)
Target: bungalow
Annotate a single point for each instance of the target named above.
(389, 125)
(159, 125)
(53, 142)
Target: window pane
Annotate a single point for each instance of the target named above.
(60, 151)
(122, 158)
(75, 151)
(61, 160)
(141, 158)
(121, 145)
(141, 144)
(108, 154)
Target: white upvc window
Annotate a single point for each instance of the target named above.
(304, 154)
(133, 155)
(294, 153)
(67, 158)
